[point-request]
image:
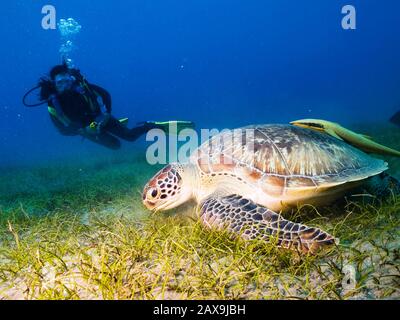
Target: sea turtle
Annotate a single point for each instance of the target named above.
(243, 178)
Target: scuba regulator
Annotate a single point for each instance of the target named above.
(47, 87)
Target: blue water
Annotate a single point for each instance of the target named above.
(219, 63)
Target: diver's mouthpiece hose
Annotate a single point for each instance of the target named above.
(27, 94)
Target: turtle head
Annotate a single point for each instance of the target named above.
(169, 188)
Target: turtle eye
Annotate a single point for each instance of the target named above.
(152, 193)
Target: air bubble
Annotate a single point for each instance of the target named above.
(68, 29)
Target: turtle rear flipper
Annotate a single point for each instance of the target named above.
(382, 186)
(242, 216)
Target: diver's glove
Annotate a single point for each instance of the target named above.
(90, 130)
(97, 126)
(46, 88)
(102, 121)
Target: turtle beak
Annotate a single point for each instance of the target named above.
(149, 205)
(165, 206)
(156, 206)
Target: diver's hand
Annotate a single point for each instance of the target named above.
(90, 130)
(97, 126)
(103, 120)
(46, 88)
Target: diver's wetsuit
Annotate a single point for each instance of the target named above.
(114, 127)
(82, 108)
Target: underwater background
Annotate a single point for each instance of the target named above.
(72, 223)
(222, 64)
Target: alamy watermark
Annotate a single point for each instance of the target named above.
(349, 21)
(349, 281)
(180, 146)
(49, 21)
(213, 146)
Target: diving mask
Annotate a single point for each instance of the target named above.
(64, 82)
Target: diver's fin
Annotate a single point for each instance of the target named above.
(182, 124)
(172, 127)
(124, 121)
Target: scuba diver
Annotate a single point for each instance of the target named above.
(77, 107)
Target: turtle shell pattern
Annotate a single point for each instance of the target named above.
(283, 158)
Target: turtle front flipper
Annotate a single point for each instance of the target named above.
(252, 221)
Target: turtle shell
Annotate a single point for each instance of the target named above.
(281, 158)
